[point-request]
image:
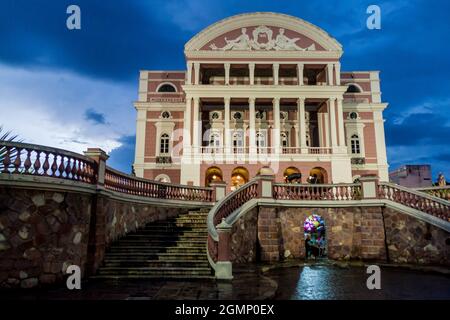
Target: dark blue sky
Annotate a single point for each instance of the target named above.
(75, 89)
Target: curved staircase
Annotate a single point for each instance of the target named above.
(173, 248)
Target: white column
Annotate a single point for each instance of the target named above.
(297, 135)
(251, 71)
(275, 69)
(189, 73)
(139, 158)
(227, 133)
(252, 125)
(196, 127)
(187, 127)
(380, 145)
(337, 68)
(197, 73)
(227, 73)
(276, 124)
(302, 123)
(340, 117)
(320, 128)
(300, 68)
(330, 74)
(333, 130)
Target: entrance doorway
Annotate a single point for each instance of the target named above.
(318, 175)
(315, 237)
(213, 174)
(239, 177)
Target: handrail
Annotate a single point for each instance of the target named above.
(226, 206)
(442, 192)
(422, 201)
(124, 183)
(32, 159)
(338, 192)
(37, 160)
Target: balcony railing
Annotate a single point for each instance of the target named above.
(264, 150)
(30, 159)
(124, 183)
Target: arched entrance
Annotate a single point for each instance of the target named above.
(318, 175)
(292, 175)
(239, 177)
(315, 236)
(213, 174)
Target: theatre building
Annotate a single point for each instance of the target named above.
(260, 89)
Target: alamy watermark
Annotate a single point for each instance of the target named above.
(73, 21)
(374, 280)
(374, 20)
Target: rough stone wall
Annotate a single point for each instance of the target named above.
(243, 238)
(352, 233)
(41, 234)
(413, 241)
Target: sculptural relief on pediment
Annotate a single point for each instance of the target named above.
(262, 38)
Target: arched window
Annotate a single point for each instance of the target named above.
(260, 139)
(162, 178)
(164, 144)
(355, 145)
(353, 89)
(167, 88)
(238, 141)
(214, 140)
(284, 140)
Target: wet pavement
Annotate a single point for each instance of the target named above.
(304, 281)
(328, 282)
(248, 284)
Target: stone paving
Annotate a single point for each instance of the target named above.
(248, 284)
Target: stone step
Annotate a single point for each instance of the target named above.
(140, 249)
(180, 225)
(164, 256)
(111, 263)
(183, 256)
(154, 271)
(171, 229)
(154, 276)
(151, 235)
(174, 248)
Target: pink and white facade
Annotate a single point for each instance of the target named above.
(260, 89)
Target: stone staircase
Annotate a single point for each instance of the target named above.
(173, 248)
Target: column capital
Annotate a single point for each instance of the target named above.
(226, 100)
(251, 64)
(301, 100)
(196, 65)
(276, 65)
(251, 100)
(188, 97)
(276, 100)
(227, 64)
